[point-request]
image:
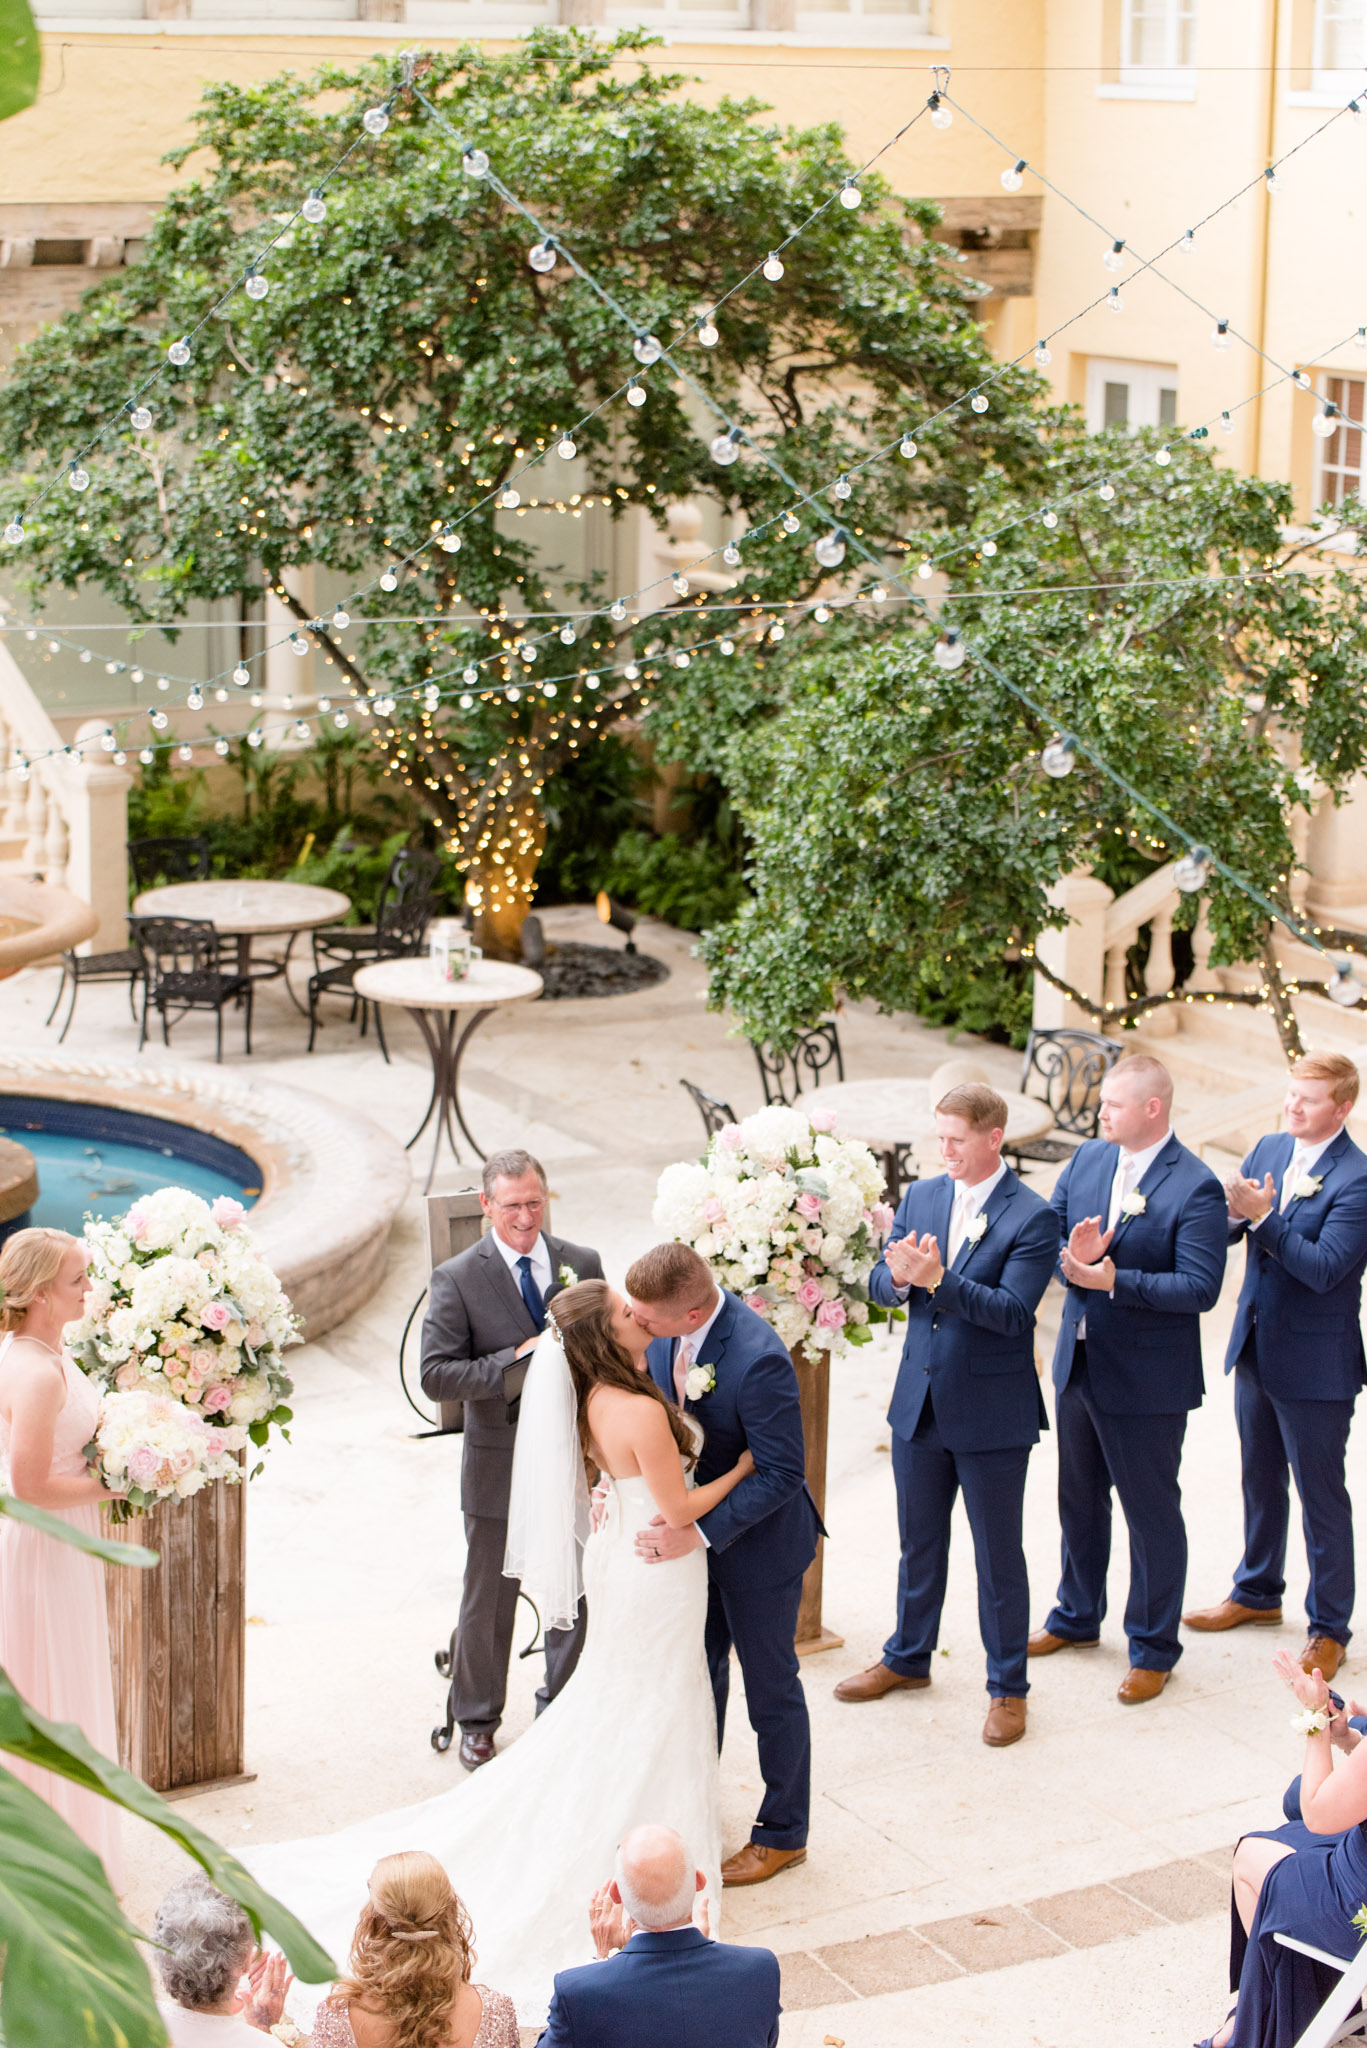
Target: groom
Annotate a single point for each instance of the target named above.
(722, 1362)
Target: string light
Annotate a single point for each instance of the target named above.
(1044, 355)
(646, 349)
(140, 417)
(725, 448)
(566, 449)
(906, 447)
(1220, 336)
(1344, 986)
(941, 116)
(1192, 871)
(850, 194)
(314, 209)
(375, 120)
(542, 257)
(830, 549)
(949, 651)
(1187, 245)
(773, 266)
(1114, 302)
(636, 393)
(255, 285)
(1013, 178)
(1114, 256)
(1325, 423)
(1059, 757)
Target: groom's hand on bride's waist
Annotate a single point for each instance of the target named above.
(657, 1543)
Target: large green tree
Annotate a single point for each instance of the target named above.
(406, 361)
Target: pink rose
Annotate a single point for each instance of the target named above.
(808, 1205)
(227, 1213)
(180, 1386)
(731, 1136)
(202, 1363)
(215, 1315)
(144, 1468)
(757, 1303)
(713, 1210)
(822, 1119)
(192, 1393)
(831, 1315)
(810, 1295)
(207, 1259)
(135, 1223)
(883, 1217)
(217, 1399)
(813, 1239)
(126, 1377)
(181, 1461)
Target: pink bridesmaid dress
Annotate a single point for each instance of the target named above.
(54, 1630)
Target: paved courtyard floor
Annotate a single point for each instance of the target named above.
(1069, 1890)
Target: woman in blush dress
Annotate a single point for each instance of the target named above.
(54, 1633)
(411, 1961)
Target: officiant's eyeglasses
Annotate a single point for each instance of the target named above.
(520, 1208)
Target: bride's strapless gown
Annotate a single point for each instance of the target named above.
(528, 1839)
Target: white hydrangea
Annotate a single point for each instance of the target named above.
(772, 1133)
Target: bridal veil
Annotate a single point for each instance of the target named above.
(548, 1511)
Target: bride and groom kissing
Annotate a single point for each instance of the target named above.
(684, 1404)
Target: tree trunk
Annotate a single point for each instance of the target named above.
(505, 888)
(1283, 1010)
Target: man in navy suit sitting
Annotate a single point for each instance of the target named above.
(1296, 1354)
(971, 1253)
(660, 1983)
(1143, 1222)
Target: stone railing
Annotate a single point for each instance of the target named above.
(1090, 952)
(66, 822)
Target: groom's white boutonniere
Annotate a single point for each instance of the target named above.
(976, 1231)
(699, 1380)
(1307, 1184)
(567, 1277)
(1133, 1204)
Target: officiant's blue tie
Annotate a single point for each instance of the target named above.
(531, 1293)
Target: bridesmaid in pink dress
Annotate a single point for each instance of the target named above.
(54, 1634)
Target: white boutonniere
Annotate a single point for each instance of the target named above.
(699, 1380)
(567, 1277)
(976, 1231)
(1307, 1184)
(1133, 1205)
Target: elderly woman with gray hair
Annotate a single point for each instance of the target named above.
(205, 1948)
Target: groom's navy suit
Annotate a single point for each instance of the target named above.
(1125, 1389)
(1297, 1356)
(671, 1990)
(760, 1540)
(966, 1412)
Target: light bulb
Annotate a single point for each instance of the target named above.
(878, 595)
(726, 647)
(548, 689)
(302, 730)
(340, 720)
(1220, 336)
(1360, 338)
(389, 580)
(467, 702)
(822, 615)
(160, 720)
(682, 660)
(256, 286)
(469, 675)
(1113, 257)
(1044, 355)
(1050, 519)
(842, 487)
(195, 701)
(184, 754)
(510, 499)
(1325, 423)
(830, 550)
(163, 683)
(646, 349)
(568, 635)
(325, 703)
(314, 209)
(1226, 424)
(220, 696)
(1012, 178)
(1192, 872)
(617, 610)
(724, 448)
(255, 737)
(542, 257)
(680, 582)
(375, 120)
(1114, 302)
(1163, 457)
(940, 115)
(850, 195)
(566, 449)
(341, 618)
(528, 653)
(989, 547)
(120, 758)
(179, 353)
(1106, 490)
(950, 651)
(790, 523)
(78, 478)
(925, 570)
(107, 740)
(631, 671)
(1272, 181)
(146, 756)
(906, 447)
(1059, 757)
(1187, 245)
(242, 675)
(1300, 380)
(299, 645)
(773, 266)
(636, 394)
(513, 694)
(978, 401)
(709, 334)
(136, 676)
(475, 163)
(220, 746)
(730, 554)
(141, 418)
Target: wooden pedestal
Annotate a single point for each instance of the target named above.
(813, 1369)
(176, 1633)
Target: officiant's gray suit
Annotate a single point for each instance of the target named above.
(476, 1318)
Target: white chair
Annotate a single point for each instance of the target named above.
(1338, 2019)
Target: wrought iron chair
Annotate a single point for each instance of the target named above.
(713, 1111)
(784, 1075)
(184, 859)
(124, 965)
(411, 873)
(185, 968)
(1071, 1065)
(400, 930)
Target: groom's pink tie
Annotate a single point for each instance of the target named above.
(683, 1358)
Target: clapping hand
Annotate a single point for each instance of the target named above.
(1088, 1242)
(609, 1922)
(270, 1981)
(915, 1262)
(1248, 1201)
(1309, 1686)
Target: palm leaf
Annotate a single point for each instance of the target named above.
(53, 1525)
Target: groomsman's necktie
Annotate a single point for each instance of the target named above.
(961, 1215)
(1121, 1188)
(531, 1293)
(1291, 1176)
(683, 1358)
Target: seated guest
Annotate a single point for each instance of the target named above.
(659, 1982)
(1306, 1880)
(409, 1980)
(205, 1948)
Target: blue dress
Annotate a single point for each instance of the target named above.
(1312, 1895)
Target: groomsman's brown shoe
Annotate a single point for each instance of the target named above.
(877, 1680)
(1140, 1685)
(1322, 1654)
(1005, 1723)
(1043, 1644)
(1229, 1614)
(476, 1749)
(756, 1863)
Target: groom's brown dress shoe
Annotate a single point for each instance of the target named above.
(476, 1749)
(1042, 1644)
(877, 1680)
(1322, 1654)
(1140, 1685)
(1229, 1614)
(756, 1863)
(1005, 1723)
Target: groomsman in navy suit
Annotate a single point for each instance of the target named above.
(1296, 1354)
(971, 1253)
(761, 1538)
(1143, 1224)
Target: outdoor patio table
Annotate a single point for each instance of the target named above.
(437, 1006)
(249, 910)
(896, 1118)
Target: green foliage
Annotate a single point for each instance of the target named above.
(687, 882)
(588, 805)
(21, 58)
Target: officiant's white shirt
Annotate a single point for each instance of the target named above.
(539, 1256)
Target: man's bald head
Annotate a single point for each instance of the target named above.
(656, 1879)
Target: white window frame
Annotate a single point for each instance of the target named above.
(1325, 451)
(1179, 29)
(858, 23)
(1145, 381)
(678, 19)
(1339, 78)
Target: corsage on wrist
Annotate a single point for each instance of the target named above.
(1311, 1720)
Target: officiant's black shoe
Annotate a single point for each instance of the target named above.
(757, 1861)
(475, 1749)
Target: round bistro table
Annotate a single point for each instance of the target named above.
(249, 910)
(895, 1117)
(438, 1006)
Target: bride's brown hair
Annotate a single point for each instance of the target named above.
(412, 1950)
(583, 1316)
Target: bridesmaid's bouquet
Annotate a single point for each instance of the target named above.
(184, 1328)
(789, 1216)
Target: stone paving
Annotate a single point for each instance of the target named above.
(1067, 1890)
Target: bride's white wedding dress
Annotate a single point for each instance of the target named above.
(528, 1839)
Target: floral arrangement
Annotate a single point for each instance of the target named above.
(789, 1216)
(183, 1328)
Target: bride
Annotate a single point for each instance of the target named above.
(632, 1738)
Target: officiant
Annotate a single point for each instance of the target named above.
(486, 1308)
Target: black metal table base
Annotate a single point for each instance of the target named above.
(447, 1047)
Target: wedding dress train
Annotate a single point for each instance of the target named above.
(528, 1839)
